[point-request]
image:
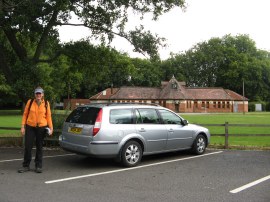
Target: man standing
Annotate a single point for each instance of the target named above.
(35, 121)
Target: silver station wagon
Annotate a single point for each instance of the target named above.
(126, 132)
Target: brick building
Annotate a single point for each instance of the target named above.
(73, 103)
(177, 97)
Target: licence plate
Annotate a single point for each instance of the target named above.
(75, 130)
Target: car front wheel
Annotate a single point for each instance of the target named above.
(131, 154)
(199, 145)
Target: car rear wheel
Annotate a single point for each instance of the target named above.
(199, 145)
(131, 154)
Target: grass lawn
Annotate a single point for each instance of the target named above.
(251, 141)
(10, 121)
(13, 119)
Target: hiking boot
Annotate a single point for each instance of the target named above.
(23, 169)
(38, 170)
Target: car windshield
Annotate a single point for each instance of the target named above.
(83, 115)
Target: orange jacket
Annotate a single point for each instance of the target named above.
(37, 115)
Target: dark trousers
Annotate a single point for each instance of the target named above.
(33, 134)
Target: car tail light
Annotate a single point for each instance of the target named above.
(97, 125)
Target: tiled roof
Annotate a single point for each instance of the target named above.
(105, 94)
(176, 92)
(136, 93)
(169, 90)
(234, 95)
(208, 94)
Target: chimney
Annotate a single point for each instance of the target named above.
(111, 89)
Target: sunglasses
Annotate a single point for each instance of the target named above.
(38, 93)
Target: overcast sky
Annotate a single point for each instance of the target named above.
(202, 20)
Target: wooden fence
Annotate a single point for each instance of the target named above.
(54, 140)
(18, 141)
(226, 134)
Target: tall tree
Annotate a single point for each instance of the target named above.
(101, 67)
(29, 35)
(225, 62)
(147, 73)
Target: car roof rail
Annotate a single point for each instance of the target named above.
(124, 103)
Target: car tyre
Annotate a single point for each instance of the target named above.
(131, 154)
(199, 145)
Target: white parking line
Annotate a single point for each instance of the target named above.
(10, 160)
(250, 185)
(126, 169)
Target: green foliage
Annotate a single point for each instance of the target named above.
(146, 73)
(31, 54)
(267, 106)
(224, 62)
(99, 66)
(58, 120)
(4, 88)
(252, 107)
(174, 66)
(30, 47)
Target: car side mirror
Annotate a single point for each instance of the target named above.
(185, 122)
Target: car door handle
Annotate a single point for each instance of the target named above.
(142, 130)
(171, 130)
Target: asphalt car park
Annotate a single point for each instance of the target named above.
(218, 175)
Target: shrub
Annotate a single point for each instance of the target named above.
(267, 106)
(251, 107)
(58, 120)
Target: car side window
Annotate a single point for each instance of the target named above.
(147, 116)
(169, 117)
(121, 116)
(138, 117)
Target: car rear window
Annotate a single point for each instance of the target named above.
(121, 116)
(83, 115)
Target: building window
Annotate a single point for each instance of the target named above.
(207, 104)
(215, 104)
(203, 104)
(174, 85)
(196, 104)
(188, 104)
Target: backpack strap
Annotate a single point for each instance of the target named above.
(46, 105)
(31, 101)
